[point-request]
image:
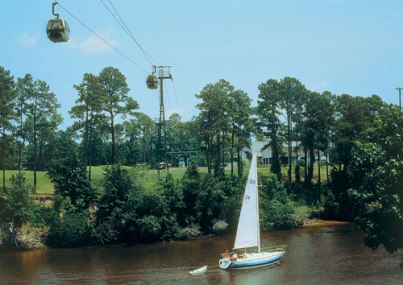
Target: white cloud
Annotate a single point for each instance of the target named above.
(318, 85)
(27, 41)
(93, 45)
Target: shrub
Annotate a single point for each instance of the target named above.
(69, 225)
(150, 229)
(277, 210)
(191, 231)
(18, 203)
(220, 226)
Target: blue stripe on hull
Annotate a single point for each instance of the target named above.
(256, 264)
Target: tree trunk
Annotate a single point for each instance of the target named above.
(319, 166)
(35, 146)
(113, 140)
(239, 160)
(21, 144)
(311, 164)
(289, 122)
(327, 167)
(305, 162)
(3, 165)
(209, 150)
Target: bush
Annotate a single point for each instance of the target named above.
(69, 176)
(18, 204)
(150, 229)
(220, 226)
(279, 216)
(69, 226)
(277, 209)
(191, 231)
(30, 237)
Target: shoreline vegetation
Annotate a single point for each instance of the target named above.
(289, 213)
(30, 238)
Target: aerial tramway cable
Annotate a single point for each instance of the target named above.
(115, 14)
(103, 40)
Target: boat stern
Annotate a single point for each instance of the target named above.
(224, 263)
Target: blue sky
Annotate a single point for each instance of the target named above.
(344, 46)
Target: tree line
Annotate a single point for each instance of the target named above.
(108, 130)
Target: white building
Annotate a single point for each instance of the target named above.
(265, 154)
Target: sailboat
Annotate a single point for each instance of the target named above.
(248, 232)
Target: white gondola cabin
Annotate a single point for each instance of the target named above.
(152, 82)
(58, 30)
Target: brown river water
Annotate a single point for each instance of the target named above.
(328, 254)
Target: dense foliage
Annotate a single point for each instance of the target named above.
(351, 164)
(376, 182)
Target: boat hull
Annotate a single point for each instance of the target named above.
(252, 260)
(199, 271)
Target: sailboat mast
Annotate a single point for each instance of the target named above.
(257, 208)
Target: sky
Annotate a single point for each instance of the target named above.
(342, 46)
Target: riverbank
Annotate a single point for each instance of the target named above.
(30, 238)
(319, 222)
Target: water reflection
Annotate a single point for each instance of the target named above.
(316, 255)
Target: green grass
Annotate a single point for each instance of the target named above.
(44, 185)
(147, 178)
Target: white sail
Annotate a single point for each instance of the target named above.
(248, 232)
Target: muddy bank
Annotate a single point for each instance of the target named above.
(319, 222)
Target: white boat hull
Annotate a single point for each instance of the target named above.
(199, 271)
(252, 260)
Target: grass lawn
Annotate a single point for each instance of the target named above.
(44, 186)
(146, 178)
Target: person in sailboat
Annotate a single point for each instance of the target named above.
(226, 254)
(231, 256)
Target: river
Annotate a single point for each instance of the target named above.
(329, 254)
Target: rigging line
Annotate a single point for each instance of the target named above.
(123, 25)
(102, 39)
(167, 91)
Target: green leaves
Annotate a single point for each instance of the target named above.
(376, 189)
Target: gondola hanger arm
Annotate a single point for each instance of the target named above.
(53, 9)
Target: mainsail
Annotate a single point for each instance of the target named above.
(248, 232)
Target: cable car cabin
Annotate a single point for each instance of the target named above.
(58, 30)
(152, 82)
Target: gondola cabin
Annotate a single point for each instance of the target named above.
(152, 82)
(58, 30)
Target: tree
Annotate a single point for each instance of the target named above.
(268, 112)
(317, 126)
(111, 217)
(69, 176)
(376, 171)
(18, 203)
(292, 94)
(88, 112)
(354, 115)
(25, 87)
(38, 117)
(239, 112)
(115, 100)
(213, 121)
(172, 214)
(7, 114)
(191, 188)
